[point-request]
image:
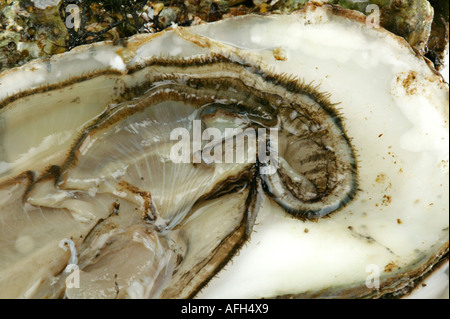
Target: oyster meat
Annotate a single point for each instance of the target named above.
(313, 144)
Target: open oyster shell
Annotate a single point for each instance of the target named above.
(349, 200)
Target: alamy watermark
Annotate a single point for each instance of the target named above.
(73, 279)
(230, 145)
(73, 19)
(373, 279)
(373, 18)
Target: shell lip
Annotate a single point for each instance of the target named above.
(440, 264)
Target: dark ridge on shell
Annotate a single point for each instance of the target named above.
(238, 245)
(213, 58)
(55, 86)
(52, 172)
(28, 176)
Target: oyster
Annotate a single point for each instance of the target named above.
(341, 170)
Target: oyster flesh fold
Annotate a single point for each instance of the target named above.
(317, 148)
